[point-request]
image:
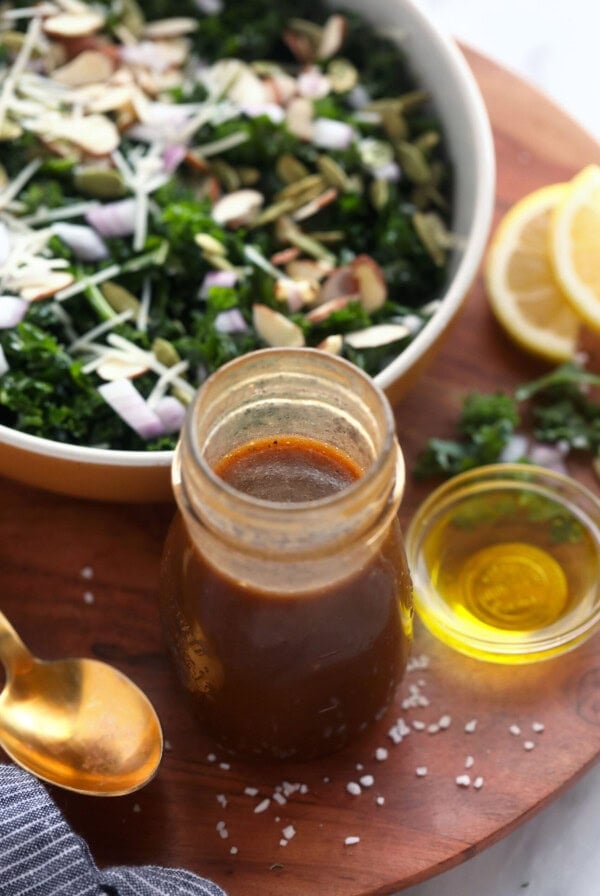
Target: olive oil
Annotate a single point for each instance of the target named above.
(503, 571)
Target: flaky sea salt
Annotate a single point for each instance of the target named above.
(367, 780)
(222, 800)
(421, 771)
(251, 791)
(86, 572)
(445, 721)
(289, 832)
(478, 782)
(353, 788)
(463, 780)
(514, 729)
(469, 762)
(538, 727)
(381, 754)
(88, 597)
(262, 806)
(351, 841)
(528, 745)
(234, 850)
(380, 800)
(471, 726)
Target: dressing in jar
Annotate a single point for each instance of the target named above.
(285, 595)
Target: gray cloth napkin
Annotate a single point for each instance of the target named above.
(41, 856)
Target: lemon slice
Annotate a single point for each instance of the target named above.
(522, 289)
(575, 244)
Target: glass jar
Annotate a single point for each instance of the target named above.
(287, 611)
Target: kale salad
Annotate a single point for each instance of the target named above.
(185, 181)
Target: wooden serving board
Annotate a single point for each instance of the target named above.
(426, 824)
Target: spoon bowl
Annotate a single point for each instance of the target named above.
(78, 723)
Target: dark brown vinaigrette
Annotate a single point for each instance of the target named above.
(286, 674)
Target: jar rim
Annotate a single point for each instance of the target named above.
(244, 500)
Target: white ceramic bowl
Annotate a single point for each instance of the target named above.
(439, 66)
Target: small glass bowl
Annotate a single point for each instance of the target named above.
(505, 561)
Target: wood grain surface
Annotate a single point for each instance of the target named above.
(426, 824)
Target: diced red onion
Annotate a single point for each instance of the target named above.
(113, 219)
(85, 242)
(230, 321)
(226, 279)
(390, 172)
(312, 83)
(172, 157)
(171, 413)
(4, 243)
(209, 7)
(146, 54)
(12, 311)
(515, 449)
(3, 362)
(549, 456)
(126, 401)
(328, 133)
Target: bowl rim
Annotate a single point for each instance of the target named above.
(485, 179)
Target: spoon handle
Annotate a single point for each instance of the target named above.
(14, 656)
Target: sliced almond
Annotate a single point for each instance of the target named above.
(322, 312)
(117, 365)
(307, 269)
(332, 344)
(285, 256)
(279, 87)
(341, 282)
(315, 205)
(275, 329)
(299, 117)
(95, 134)
(67, 25)
(238, 208)
(296, 293)
(88, 67)
(164, 29)
(376, 336)
(371, 282)
(111, 99)
(40, 286)
(300, 44)
(332, 37)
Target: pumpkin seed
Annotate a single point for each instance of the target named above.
(379, 193)
(218, 262)
(3, 177)
(413, 99)
(226, 174)
(132, 17)
(289, 169)
(248, 176)
(413, 162)
(427, 195)
(165, 352)
(101, 183)
(209, 244)
(334, 174)
(394, 124)
(119, 298)
(301, 187)
(427, 141)
(181, 395)
(433, 234)
(342, 75)
(328, 236)
(289, 232)
(272, 212)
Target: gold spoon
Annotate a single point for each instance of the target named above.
(78, 723)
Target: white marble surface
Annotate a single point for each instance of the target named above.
(554, 44)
